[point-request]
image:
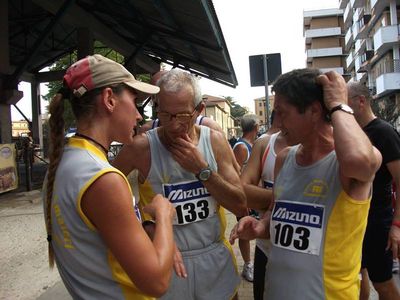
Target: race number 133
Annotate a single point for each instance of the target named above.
(192, 201)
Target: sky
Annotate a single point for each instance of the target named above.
(251, 27)
(255, 27)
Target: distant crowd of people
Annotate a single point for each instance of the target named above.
(315, 191)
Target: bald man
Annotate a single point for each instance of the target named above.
(382, 237)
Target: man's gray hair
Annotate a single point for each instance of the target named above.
(176, 79)
(356, 88)
(248, 122)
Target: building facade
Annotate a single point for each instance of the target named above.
(324, 38)
(260, 110)
(372, 42)
(370, 47)
(219, 109)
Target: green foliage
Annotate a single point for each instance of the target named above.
(64, 62)
(237, 111)
(386, 109)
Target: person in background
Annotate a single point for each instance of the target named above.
(242, 151)
(395, 267)
(232, 140)
(382, 237)
(273, 126)
(192, 166)
(260, 168)
(322, 192)
(94, 229)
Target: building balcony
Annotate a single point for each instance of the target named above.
(350, 60)
(360, 26)
(357, 3)
(356, 30)
(359, 46)
(388, 77)
(357, 64)
(343, 3)
(324, 52)
(308, 15)
(339, 70)
(386, 37)
(347, 15)
(361, 62)
(361, 77)
(348, 38)
(366, 58)
(377, 6)
(322, 32)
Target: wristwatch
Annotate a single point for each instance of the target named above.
(342, 107)
(204, 174)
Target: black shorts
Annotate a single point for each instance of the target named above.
(375, 258)
(260, 263)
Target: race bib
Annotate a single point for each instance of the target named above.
(192, 201)
(297, 226)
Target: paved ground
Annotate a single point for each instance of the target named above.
(23, 252)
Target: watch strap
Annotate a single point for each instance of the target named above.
(340, 107)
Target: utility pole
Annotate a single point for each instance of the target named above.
(265, 58)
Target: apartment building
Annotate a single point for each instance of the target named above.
(219, 109)
(260, 109)
(324, 38)
(372, 42)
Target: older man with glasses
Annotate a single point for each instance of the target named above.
(192, 166)
(151, 124)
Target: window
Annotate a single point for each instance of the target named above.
(260, 104)
(261, 113)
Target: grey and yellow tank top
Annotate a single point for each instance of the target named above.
(199, 221)
(87, 267)
(316, 233)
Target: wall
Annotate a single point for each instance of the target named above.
(325, 22)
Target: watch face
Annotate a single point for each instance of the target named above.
(205, 174)
(342, 107)
(347, 108)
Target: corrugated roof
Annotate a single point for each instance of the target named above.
(184, 33)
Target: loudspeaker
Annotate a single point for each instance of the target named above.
(274, 68)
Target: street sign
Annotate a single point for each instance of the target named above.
(274, 68)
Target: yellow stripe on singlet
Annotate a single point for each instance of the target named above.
(342, 252)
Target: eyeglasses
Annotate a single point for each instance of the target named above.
(181, 118)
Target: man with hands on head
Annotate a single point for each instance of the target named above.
(322, 192)
(192, 166)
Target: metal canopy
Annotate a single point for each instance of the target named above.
(183, 33)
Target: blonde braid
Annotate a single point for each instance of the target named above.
(56, 123)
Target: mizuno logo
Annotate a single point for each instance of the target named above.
(185, 191)
(283, 214)
(183, 195)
